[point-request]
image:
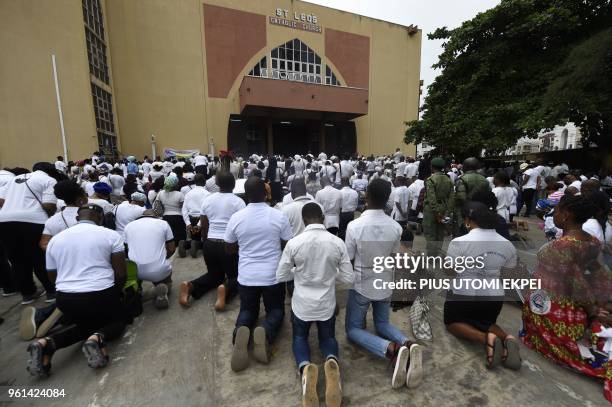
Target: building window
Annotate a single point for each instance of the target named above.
(94, 36)
(330, 78)
(98, 68)
(294, 61)
(105, 123)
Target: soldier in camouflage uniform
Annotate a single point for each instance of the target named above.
(437, 206)
(470, 182)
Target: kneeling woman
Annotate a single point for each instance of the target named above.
(572, 300)
(470, 310)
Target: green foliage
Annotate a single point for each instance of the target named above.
(497, 70)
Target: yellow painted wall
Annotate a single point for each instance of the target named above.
(160, 81)
(30, 31)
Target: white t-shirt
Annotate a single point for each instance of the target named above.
(258, 230)
(505, 198)
(60, 166)
(593, 228)
(146, 239)
(200, 160)
(172, 201)
(576, 184)
(193, 203)
(414, 191)
(125, 213)
(350, 199)
(103, 203)
(81, 255)
(62, 220)
(21, 204)
(219, 208)
(5, 178)
(411, 170)
(533, 178)
(496, 252)
(331, 201)
(401, 195)
(117, 182)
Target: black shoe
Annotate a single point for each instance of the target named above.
(50, 298)
(28, 299)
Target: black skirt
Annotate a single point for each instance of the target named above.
(479, 312)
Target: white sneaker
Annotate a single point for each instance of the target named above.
(399, 371)
(414, 376)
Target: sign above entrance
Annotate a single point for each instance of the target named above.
(298, 21)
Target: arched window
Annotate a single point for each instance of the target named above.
(294, 61)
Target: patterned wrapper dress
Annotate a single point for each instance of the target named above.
(555, 318)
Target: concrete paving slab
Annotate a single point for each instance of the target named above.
(180, 357)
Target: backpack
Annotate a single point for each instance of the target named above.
(109, 220)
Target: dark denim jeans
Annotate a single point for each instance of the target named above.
(326, 331)
(274, 304)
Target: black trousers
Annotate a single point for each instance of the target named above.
(202, 169)
(274, 304)
(221, 267)
(7, 279)
(345, 218)
(20, 240)
(177, 224)
(528, 198)
(89, 313)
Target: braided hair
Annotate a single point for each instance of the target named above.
(581, 208)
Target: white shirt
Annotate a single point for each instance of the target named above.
(146, 168)
(193, 203)
(287, 199)
(5, 178)
(331, 201)
(219, 208)
(350, 198)
(146, 239)
(593, 228)
(414, 190)
(319, 259)
(411, 170)
(125, 213)
(167, 167)
(496, 251)
(505, 197)
(81, 255)
(172, 202)
(117, 182)
(533, 178)
(576, 184)
(155, 175)
(21, 204)
(371, 235)
(103, 203)
(401, 196)
(211, 185)
(346, 169)
(200, 160)
(293, 212)
(61, 221)
(60, 166)
(258, 230)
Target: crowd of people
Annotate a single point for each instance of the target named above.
(303, 226)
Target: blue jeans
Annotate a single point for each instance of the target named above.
(274, 304)
(356, 309)
(326, 331)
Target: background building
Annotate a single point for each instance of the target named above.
(565, 137)
(278, 76)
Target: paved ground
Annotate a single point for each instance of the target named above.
(181, 357)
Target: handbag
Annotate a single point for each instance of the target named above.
(419, 319)
(158, 207)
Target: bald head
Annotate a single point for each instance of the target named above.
(471, 164)
(255, 190)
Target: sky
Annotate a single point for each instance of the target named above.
(426, 14)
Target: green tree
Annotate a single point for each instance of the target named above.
(582, 91)
(496, 70)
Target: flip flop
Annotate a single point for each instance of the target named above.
(495, 359)
(513, 357)
(93, 351)
(35, 364)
